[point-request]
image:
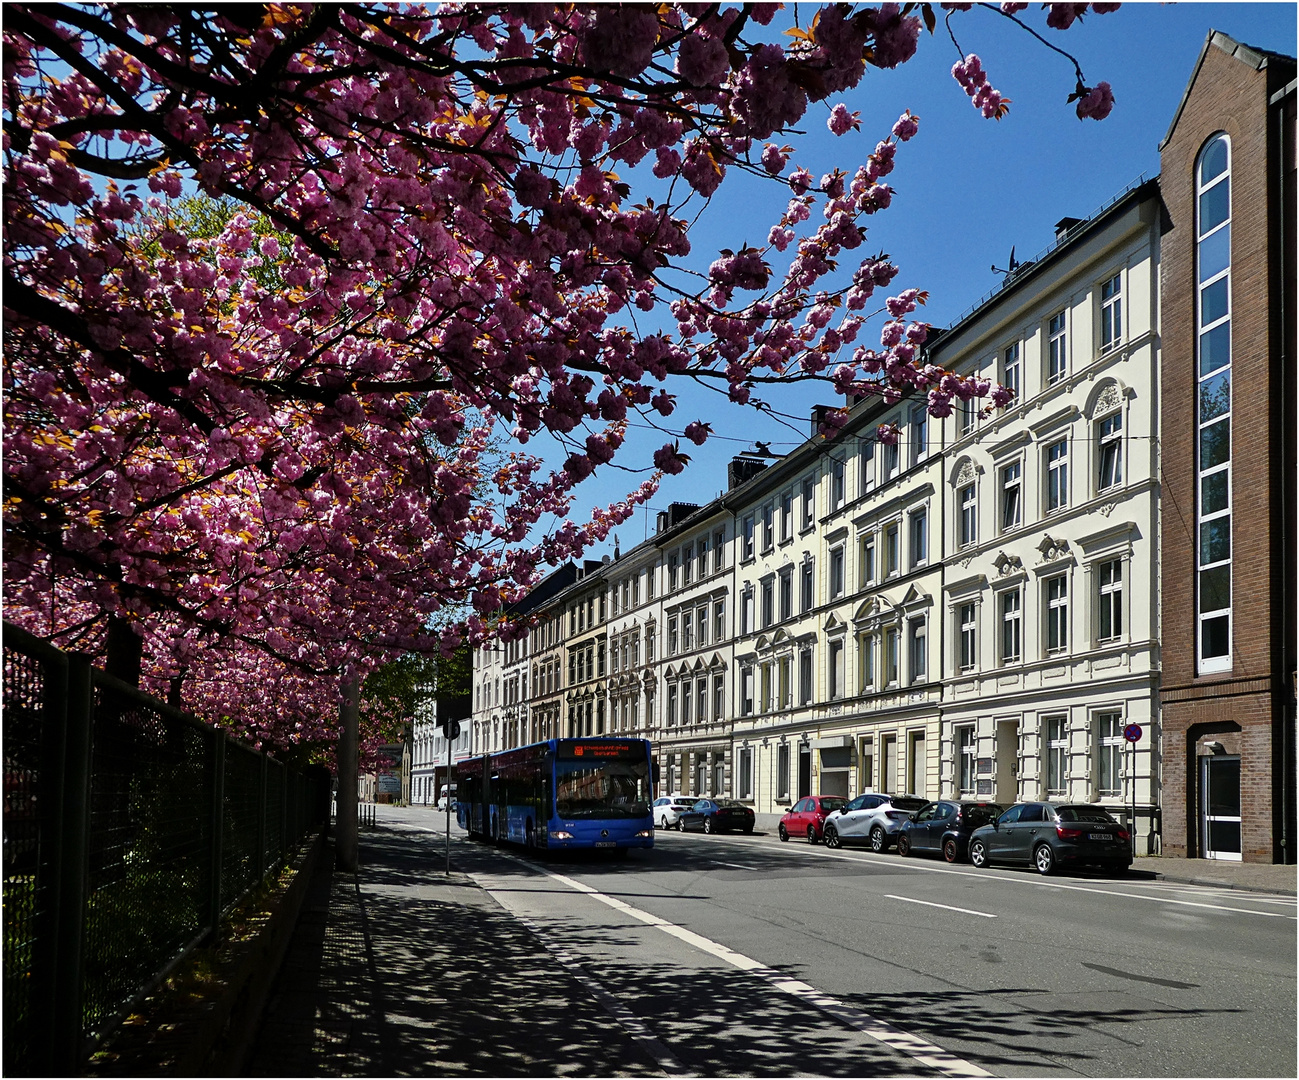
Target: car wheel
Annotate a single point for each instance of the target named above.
(904, 844)
(1044, 858)
(832, 837)
(681, 824)
(978, 854)
(708, 825)
(811, 834)
(949, 849)
(879, 842)
(784, 834)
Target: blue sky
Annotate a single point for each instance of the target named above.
(967, 188)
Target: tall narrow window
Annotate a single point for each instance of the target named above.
(687, 632)
(809, 502)
(701, 547)
(969, 531)
(765, 702)
(837, 471)
(1109, 577)
(866, 467)
(1057, 613)
(806, 596)
(919, 539)
(746, 690)
(719, 543)
(768, 602)
(786, 593)
(786, 516)
(782, 772)
(865, 560)
(784, 683)
(746, 610)
(719, 620)
(966, 629)
(672, 704)
(965, 745)
(687, 563)
(836, 572)
(919, 433)
(865, 663)
(746, 550)
(1213, 313)
(701, 700)
(1057, 476)
(1109, 435)
(836, 670)
(1111, 312)
(805, 691)
(685, 702)
(701, 626)
(719, 697)
(891, 556)
(1055, 346)
(1011, 481)
(768, 527)
(674, 563)
(1010, 627)
(1010, 369)
(919, 651)
(892, 458)
(1109, 751)
(1057, 749)
(891, 656)
(966, 409)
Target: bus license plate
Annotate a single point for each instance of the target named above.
(605, 843)
(1100, 836)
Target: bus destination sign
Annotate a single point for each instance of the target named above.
(595, 750)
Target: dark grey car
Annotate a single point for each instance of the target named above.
(1048, 835)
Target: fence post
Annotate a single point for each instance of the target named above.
(218, 827)
(261, 817)
(74, 870)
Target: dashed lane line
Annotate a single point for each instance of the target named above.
(945, 907)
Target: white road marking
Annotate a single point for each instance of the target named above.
(985, 876)
(926, 1053)
(737, 866)
(947, 907)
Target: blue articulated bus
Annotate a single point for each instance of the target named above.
(563, 794)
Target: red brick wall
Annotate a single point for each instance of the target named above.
(1228, 95)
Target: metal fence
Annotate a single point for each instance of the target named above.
(130, 831)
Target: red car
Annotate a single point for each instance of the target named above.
(807, 816)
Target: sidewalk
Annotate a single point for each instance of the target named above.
(402, 970)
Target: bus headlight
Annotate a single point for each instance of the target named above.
(560, 834)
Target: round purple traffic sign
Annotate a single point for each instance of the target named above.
(1132, 733)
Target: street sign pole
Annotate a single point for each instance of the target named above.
(447, 732)
(1132, 733)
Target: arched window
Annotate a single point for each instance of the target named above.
(1213, 401)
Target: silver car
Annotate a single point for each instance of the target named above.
(873, 818)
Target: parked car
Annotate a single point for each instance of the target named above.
(1047, 835)
(669, 808)
(944, 827)
(717, 815)
(873, 817)
(807, 816)
(447, 794)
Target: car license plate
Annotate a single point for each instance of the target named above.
(605, 843)
(1100, 836)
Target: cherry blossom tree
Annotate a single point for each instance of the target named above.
(271, 448)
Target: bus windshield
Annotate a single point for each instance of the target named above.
(608, 790)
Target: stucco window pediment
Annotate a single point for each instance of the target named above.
(1107, 396)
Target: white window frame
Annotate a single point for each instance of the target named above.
(918, 537)
(1055, 593)
(838, 572)
(967, 622)
(1109, 600)
(1011, 476)
(1057, 347)
(918, 650)
(1108, 725)
(1012, 370)
(1057, 475)
(1010, 609)
(968, 516)
(1111, 297)
(1109, 451)
(1056, 767)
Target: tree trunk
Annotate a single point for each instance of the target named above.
(346, 844)
(125, 650)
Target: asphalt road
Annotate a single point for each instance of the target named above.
(740, 955)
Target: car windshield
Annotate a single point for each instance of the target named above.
(609, 790)
(1084, 813)
(983, 814)
(833, 803)
(902, 802)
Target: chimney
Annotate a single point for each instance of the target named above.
(1065, 224)
(661, 521)
(742, 469)
(818, 415)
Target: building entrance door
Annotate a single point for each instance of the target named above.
(1007, 750)
(804, 771)
(1220, 807)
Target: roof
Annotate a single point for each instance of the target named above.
(1256, 58)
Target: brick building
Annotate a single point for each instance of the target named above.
(1228, 423)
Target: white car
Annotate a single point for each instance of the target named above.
(669, 808)
(872, 818)
(447, 793)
